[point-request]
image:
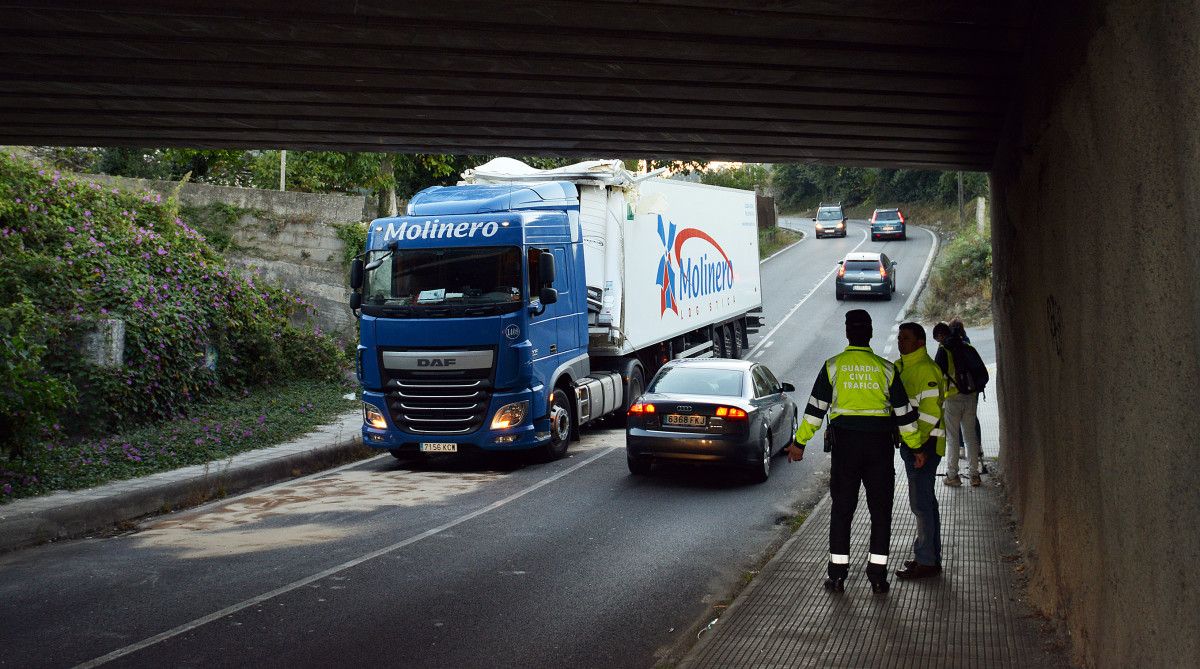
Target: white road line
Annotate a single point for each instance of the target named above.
(759, 354)
(912, 298)
(892, 337)
(769, 344)
(804, 299)
(887, 350)
(229, 610)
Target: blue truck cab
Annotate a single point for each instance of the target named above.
(473, 306)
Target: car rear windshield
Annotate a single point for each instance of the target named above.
(698, 381)
(829, 215)
(887, 215)
(862, 266)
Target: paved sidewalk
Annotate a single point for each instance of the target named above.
(971, 616)
(64, 515)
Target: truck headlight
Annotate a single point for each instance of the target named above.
(373, 416)
(510, 415)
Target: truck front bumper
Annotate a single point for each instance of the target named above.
(530, 434)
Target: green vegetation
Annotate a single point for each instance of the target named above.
(746, 177)
(74, 254)
(228, 424)
(771, 240)
(354, 237)
(960, 284)
(802, 187)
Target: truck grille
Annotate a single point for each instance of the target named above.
(429, 403)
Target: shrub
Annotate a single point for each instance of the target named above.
(961, 282)
(73, 253)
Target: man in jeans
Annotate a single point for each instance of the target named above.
(925, 384)
(959, 412)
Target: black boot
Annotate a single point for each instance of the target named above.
(879, 586)
(835, 584)
(877, 575)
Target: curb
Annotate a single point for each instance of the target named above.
(89, 514)
(690, 657)
(803, 236)
(921, 280)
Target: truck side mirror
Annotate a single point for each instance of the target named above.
(356, 275)
(355, 301)
(548, 295)
(546, 270)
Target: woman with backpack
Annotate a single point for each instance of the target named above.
(968, 376)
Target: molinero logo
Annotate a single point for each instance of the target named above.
(682, 279)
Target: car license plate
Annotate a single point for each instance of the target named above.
(888, 227)
(427, 447)
(676, 419)
(862, 288)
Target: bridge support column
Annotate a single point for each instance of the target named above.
(1097, 294)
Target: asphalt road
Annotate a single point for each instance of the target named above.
(451, 564)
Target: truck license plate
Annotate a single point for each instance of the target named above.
(676, 419)
(427, 447)
(862, 288)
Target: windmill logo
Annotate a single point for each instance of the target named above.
(666, 273)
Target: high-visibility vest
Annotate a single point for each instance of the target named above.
(860, 381)
(926, 387)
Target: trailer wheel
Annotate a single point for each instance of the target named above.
(720, 347)
(738, 331)
(562, 426)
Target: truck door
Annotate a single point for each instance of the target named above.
(543, 327)
(568, 319)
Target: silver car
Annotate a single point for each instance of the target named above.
(864, 274)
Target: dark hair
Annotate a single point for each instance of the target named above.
(941, 330)
(916, 329)
(957, 328)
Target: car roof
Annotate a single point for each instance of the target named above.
(712, 363)
(889, 209)
(863, 255)
(830, 206)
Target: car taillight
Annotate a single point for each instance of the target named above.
(842, 270)
(639, 408)
(882, 271)
(900, 215)
(730, 412)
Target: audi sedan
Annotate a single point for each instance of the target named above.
(863, 273)
(731, 412)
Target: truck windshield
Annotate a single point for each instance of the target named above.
(443, 282)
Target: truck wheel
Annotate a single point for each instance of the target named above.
(637, 385)
(562, 426)
(719, 345)
(734, 342)
(739, 335)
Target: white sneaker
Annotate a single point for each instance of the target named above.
(953, 481)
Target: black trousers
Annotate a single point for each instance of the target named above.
(864, 458)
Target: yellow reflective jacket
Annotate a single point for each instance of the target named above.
(926, 387)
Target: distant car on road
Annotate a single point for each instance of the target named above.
(830, 220)
(888, 224)
(733, 412)
(864, 273)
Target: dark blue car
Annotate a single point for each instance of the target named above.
(888, 224)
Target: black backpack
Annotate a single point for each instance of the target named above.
(970, 374)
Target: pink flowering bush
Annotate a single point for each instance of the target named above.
(72, 253)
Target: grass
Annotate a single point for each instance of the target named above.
(213, 432)
(771, 240)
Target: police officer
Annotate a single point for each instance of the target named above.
(866, 403)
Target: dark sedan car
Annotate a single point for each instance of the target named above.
(711, 411)
(865, 274)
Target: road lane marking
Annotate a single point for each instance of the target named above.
(804, 299)
(759, 354)
(229, 610)
(920, 284)
(887, 350)
(769, 344)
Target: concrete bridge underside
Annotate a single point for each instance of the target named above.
(1085, 112)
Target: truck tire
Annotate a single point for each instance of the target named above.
(720, 347)
(562, 426)
(739, 334)
(637, 385)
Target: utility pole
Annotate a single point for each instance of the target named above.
(283, 173)
(961, 213)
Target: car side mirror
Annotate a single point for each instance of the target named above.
(548, 295)
(814, 220)
(787, 388)
(356, 274)
(546, 269)
(895, 263)
(841, 261)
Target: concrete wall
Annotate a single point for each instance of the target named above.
(287, 237)
(1097, 215)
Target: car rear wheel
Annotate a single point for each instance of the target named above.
(839, 294)
(761, 470)
(640, 466)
